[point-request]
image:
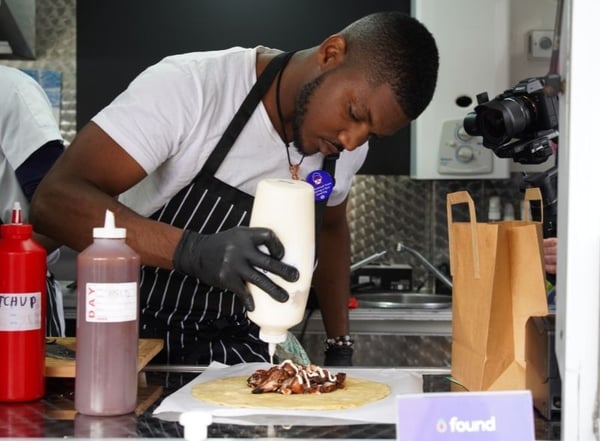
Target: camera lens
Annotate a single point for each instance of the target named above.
(470, 124)
(492, 125)
(501, 121)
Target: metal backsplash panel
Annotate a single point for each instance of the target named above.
(385, 210)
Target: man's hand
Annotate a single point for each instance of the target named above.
(550, 250)
(231, 258)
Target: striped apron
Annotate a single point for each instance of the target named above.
(201, 323)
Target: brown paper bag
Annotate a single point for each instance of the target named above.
(498, 283)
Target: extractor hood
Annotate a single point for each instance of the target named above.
(17, 29)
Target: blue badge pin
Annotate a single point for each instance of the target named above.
(322, 182)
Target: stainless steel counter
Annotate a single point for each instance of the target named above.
(41, 419)
(367, 321)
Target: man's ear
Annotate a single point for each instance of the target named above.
(332, 51)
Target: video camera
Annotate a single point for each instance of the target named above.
(519, 123)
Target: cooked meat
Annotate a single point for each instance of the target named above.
(290, 378)
(270, 381)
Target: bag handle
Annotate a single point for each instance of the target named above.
(533, 194)
(463, 197)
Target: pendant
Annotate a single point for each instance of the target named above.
(294, 169)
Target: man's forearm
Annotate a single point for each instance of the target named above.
(83, 183)
(49, 244)
(332, 280)
(154, 241)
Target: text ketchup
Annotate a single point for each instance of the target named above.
(22, 314)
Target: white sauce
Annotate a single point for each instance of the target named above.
(304, 375)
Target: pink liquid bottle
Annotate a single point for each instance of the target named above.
(107, 324)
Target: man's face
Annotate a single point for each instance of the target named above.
(340, 110)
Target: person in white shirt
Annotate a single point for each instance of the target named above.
(30, 142)
(179, 171)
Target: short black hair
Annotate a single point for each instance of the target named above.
(397, 49)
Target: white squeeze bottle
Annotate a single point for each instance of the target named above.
(108, 274)
(288, 208)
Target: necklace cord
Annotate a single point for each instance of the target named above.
(281, 122)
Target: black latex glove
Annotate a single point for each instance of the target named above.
(231, 258)
(338, 356)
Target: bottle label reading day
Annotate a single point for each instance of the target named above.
(20, 311)
(110, 302)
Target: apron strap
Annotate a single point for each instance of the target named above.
(244, 113)
(329, 166)
(242, 116)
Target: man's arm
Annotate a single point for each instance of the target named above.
(31, 172)
(73, 197)
(48, 244)
(332, 276)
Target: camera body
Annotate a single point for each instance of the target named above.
(519, 123)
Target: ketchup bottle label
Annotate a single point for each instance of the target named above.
(110, 302)
(20, 312)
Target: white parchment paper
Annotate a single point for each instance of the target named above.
(382, 411)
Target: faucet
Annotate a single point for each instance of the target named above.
(367, 260)
(437, 273)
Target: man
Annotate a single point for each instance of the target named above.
(30, 142)
(153, 148)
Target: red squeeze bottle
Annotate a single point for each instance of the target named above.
(22, 312)
(108, 273)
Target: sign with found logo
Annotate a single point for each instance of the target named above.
(465, 416)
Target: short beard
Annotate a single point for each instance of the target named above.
(302, 101)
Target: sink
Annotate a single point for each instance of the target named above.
(403, 300)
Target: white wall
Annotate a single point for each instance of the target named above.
(525, 16)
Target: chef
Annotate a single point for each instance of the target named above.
(177, 157)
(30, 142)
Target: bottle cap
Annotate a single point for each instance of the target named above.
(509, 211)
(17, 214)
(494, 209)
(270, 337)
(109, 231)
(195, 425)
